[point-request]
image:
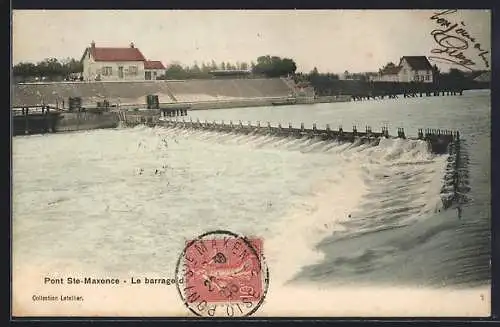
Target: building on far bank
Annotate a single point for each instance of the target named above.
(116, 64)
(410, 69)
(153, 69)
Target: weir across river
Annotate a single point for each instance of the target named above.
(439, 142)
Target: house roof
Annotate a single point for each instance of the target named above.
(417, 62)
(153, 64)
(115, 54)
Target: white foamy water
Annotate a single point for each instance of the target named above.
(121, 203)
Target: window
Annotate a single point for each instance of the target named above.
(107, 71)
(132, 70)
(427, 78)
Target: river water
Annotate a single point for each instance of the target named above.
(347, 229)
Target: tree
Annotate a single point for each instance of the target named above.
(205, 68)
(175, 71)
(25, 70)
(72, 66)
(289, 67)
(243, 66)
(195, 69)
(223, 66)
(50, 68)
(436, 73)
(213, 65)
(274, 66)
(389, 65)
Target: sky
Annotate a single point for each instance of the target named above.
(331, 40)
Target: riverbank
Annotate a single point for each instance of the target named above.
(85, 120)
(57, 121)
(76, 121)
(132, 92)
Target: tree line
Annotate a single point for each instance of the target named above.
(54, 69)
(268, 66)
(49, 68)
(176, 70)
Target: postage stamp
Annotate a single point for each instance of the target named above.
(224, 275)
(251, 163)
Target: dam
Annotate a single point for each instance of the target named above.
(439, 142)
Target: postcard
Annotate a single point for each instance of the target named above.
(251, 163)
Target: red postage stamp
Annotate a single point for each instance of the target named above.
(225, 275)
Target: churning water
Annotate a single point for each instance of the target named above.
(333, 216)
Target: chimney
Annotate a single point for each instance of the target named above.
(131, 44)
(92, 44)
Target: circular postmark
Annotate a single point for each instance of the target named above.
(224, 274)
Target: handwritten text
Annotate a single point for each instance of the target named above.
(453, 39)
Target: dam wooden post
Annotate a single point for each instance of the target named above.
(26, 121)
(420, 134)
(44, 114)
(401, 133)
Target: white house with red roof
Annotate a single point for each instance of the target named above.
(410, 69)
(118, 64)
